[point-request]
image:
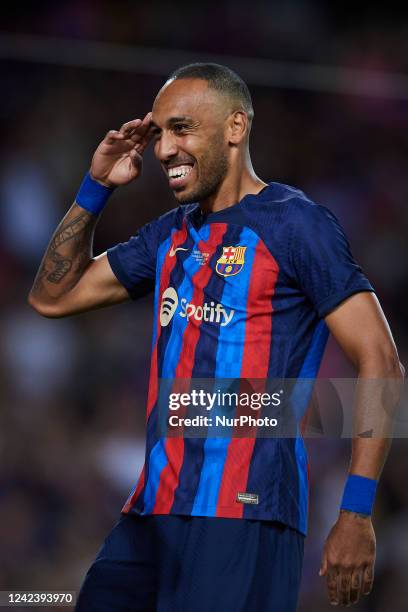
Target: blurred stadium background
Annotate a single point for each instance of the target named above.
(330, 89)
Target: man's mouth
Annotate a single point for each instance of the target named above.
(178, 175)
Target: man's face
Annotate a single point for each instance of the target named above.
(188, 123)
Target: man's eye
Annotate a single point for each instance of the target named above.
(179, 127)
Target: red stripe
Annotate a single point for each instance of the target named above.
(168, 265)
(169, 478)
(255, 363)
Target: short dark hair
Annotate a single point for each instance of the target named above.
(222, 79)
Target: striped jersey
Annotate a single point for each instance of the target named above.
(239, 293)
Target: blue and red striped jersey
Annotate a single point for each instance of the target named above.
(239, 293)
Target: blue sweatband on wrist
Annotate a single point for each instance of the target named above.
(92, 195)
(359, 494)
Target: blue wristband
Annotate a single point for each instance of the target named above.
(92, 195)
(359, 494)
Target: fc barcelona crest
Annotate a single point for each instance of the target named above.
(231, 261)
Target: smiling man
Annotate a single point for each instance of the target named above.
(198, 115)
(249, 277)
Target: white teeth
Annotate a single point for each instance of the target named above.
(179, 171)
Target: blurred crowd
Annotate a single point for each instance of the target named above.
(73, 390)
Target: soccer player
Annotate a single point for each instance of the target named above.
(249, 278)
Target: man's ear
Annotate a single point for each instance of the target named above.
(237, 127)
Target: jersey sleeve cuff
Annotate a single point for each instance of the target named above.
(331, 302)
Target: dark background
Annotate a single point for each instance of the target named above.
(330, 91)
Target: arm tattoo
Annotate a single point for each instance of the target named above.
(62, 267)
(70, 231)
(56, 265)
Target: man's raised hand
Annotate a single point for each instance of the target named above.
(118, 158)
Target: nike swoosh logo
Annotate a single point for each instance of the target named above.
(173, 251)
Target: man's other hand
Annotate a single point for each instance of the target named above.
(348, 558)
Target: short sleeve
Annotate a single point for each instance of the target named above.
(134, 262)
(323, 264)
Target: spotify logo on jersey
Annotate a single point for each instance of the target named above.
(211, 312)
(168, 306)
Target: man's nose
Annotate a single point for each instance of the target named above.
(166, 147)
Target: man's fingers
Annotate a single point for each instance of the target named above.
(368, 579)
(147, 119)
(113, 136)
(332, 586)
(356, 584)
(146, 134)
(144, 128)
(344, 586)
(130, 126)
(141, 146)
(134, 134)
(137, 127)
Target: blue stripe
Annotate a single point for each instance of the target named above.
(157, 462)
(228, 365)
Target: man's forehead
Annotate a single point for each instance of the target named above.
(184, 97)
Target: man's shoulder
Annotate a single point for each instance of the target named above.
(279, 195)
(278, 207)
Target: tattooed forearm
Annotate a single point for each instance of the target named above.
(67, 255)
(62, 267)
(70, 230)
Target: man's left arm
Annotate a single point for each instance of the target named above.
(361, 329)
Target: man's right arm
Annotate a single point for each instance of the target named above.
(70, 280)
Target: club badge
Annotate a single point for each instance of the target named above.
(231, 261)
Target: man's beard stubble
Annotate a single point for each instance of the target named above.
(212, 172)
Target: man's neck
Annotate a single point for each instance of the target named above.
(232, 190)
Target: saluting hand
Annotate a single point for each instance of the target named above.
(118, 158)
